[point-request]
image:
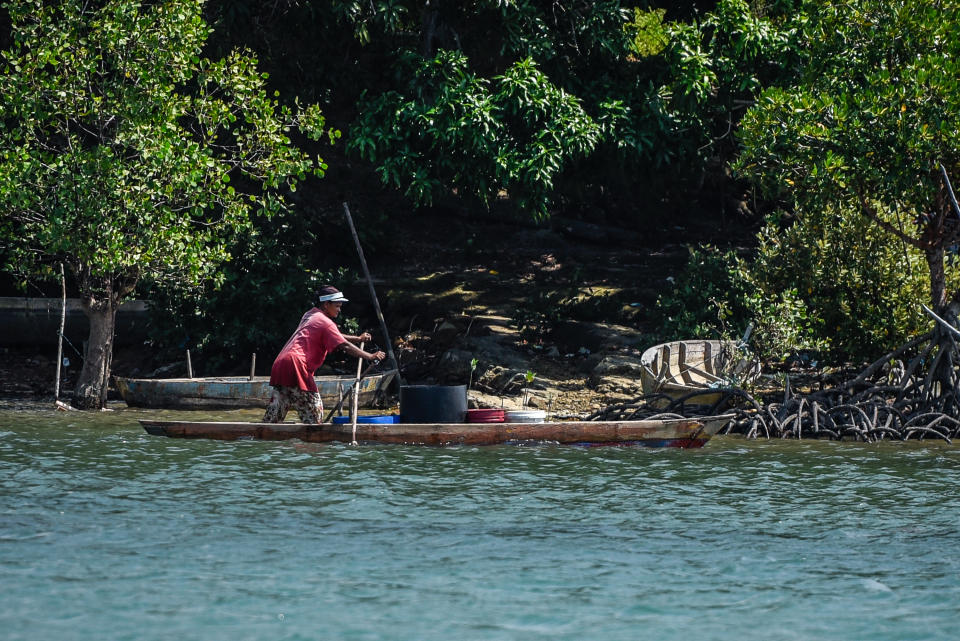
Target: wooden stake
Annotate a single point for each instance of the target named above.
(253, 365)
(356, 396)
(189, 366)
(63, 321)
(352, 385)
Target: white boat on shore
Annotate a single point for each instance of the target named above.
(698, 367)
(236, 392)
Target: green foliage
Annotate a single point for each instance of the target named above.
(667, 111)
(782, 325)
(707, 300)
(473, 367)
(825, 283)
(547, 106)
(860, 289)
(852, 149)
(124, 153)
(878, 105)
(450, 129)
(649, 35)
(258, 305)
(717, 64)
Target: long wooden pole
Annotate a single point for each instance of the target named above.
(373, 293)
(343, 395)
(356, 395)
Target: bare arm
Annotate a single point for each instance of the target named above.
(356, 352)
(361, 338)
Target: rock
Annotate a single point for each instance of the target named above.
(491, 350)
(480, 400)
(537, 401)
(454, 364)
(601, 234)
(537, 238)
(617, 374)
(579, 230)
(619, 386)
(572, 336)
(453, 367)
(618, 365)
(446, 332)
(587, 365)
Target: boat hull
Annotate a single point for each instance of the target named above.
(694, 369)
(682, 433)
(237, 392)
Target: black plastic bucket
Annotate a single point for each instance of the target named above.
(433, 403)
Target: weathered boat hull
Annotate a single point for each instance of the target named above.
(227, 392)
(682, 433)
(682, 368)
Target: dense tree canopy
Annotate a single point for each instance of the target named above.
(570, 105)
(124, 152)
(858, 139)
(608, 111)
(136, 143)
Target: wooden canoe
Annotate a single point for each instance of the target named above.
(680, 432)
(679, 368)
(226, 392)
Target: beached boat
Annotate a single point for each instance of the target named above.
(682, 368)
(226, 392)
(674, 432)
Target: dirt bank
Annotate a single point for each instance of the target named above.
(454, 290)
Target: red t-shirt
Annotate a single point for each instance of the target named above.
(316, 336)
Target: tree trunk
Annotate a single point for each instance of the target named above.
(943, 383)
(945, 390)
(91, 390)
(938, 280)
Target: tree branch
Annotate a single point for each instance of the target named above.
(871, 213)
(953, 198)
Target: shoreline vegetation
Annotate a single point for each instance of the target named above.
(891, 399)
(542, 193)
(455, 320)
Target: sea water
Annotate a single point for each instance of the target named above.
(109, 533)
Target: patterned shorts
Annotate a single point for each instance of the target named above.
(307, 404)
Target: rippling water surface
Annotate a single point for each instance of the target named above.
(109, 533)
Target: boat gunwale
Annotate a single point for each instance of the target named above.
(675, 432)
(235, 392)
(661, 380)
(247, 379)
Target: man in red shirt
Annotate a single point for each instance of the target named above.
(292, 372)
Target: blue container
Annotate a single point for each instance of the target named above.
(379, 418)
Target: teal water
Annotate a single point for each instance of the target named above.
(109, 533)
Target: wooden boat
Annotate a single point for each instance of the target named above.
(232, 392)
(674, 432)
(681, 368)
